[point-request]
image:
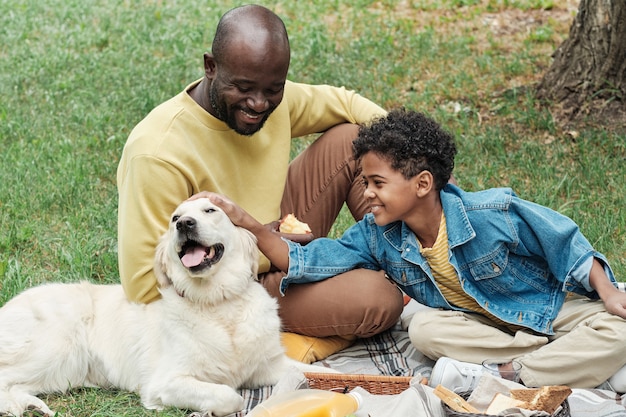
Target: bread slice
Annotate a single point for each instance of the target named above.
(502, 402)
(290, 224)
(525, 394)
(454, 401)
(548, 398)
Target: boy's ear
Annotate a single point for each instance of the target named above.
(424, 183)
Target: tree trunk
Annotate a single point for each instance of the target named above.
(589, 68)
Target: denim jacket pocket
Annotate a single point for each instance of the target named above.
(490, 266)
(404, 275)
(502, 273)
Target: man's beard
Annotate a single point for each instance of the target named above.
(222, 113)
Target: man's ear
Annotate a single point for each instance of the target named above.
(210, 68)
(424, 183)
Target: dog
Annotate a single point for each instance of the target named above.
(213, 330)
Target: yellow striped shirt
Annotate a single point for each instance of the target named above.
(447, 278)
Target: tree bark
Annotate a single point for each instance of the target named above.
(590, 66)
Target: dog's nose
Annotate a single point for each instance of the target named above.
(185, 224)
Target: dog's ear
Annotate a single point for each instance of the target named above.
(249, 249)
(160, 262)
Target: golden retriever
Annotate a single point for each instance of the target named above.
(214, 330)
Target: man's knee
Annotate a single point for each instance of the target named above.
(358, 303)
(381, 302)
(344, 130)
(339, 138)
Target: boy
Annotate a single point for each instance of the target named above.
(497, 269)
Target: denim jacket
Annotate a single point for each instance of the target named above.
(517, 259)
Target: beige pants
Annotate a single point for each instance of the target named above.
(589, 345)
(357, 303)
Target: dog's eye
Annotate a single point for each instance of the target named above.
(210, 210)
(175, 218)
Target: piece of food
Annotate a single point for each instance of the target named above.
(502, 402)
(548, 398)
(454, 401)
(290, 224)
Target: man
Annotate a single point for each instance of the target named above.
(230, 133)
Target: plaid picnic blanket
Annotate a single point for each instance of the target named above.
(391, 353)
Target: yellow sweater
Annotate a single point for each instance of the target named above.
(179, 149)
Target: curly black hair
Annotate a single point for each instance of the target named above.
(411, 142)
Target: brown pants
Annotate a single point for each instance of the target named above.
(359, 302)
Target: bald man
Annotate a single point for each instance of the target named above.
(230, 132)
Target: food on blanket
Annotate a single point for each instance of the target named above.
(548, 398)
(290, 224)
(502, 402)
(454, 401)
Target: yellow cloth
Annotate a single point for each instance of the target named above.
(446, 276)
(309, 349)
(179, 149)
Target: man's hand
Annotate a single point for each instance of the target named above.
(242, 218)
(268, 240)
(236, 214)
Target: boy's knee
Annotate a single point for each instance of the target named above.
(422, 331)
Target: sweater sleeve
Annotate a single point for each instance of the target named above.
(316, 108)
(149, 191)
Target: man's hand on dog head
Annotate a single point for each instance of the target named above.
(241, 218)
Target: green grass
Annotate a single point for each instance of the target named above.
(76, 76)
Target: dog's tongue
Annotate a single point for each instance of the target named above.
(193, 257)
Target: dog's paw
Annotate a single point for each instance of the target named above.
(222, 400)
(34, 411)
(228, 403)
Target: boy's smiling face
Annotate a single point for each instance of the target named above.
(390, 196)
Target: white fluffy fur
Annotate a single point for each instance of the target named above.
(213, 331)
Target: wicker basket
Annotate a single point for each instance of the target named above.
(562, 412)
(374, 384)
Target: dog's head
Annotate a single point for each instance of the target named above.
(203, 255)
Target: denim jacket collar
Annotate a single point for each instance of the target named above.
(460, 230)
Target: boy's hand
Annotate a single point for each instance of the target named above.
(301, 238)
(614, 300)
(615, 303)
